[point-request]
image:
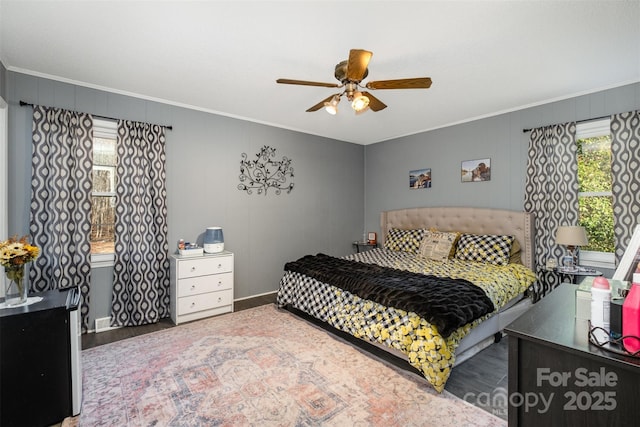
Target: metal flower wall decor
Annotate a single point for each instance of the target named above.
(264, 173)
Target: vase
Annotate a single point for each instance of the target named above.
(16, 290)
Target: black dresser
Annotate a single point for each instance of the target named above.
(557, 378)
(40, 372)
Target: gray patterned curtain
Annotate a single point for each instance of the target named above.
(61, 183)
(551, 190)
(141, 269)
(625, 166)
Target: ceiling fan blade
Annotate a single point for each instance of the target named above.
(306, 83)
(374, 103)
(320, 104)
(358, 63)
(417, 83)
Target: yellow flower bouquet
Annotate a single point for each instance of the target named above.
(14, 254)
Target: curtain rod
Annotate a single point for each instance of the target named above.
(577, 121)
(26, 104)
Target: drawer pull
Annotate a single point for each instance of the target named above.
(219, 282)
(193, 287)
(219, 299)
(193, 268)
(219, 266)
(193, 304)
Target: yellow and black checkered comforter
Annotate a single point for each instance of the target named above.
(402, 330)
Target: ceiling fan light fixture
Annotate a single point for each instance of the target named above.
(331, 107)
(350, 74)
(364, 110)
(360, 102)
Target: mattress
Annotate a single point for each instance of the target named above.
(405, 332)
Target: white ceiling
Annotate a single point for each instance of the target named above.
(485, 57)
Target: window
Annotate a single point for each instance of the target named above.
(103, 195)
(595, 196)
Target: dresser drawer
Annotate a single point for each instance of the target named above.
(204, 284)
(201, 286)
(204, 266)
(201, 302)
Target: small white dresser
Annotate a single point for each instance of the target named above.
(201, 286)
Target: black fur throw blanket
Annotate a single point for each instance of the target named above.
(444, 302)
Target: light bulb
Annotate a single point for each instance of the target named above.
(331, 109)
(360, 102)
(332, 106)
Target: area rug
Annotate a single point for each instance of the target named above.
(262, 367)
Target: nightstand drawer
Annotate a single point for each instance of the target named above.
(203, 267)
(204, 284)
(201, 302)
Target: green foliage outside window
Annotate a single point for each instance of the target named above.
(594, 175)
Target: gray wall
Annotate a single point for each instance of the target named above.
(387, 164)
(323, 213)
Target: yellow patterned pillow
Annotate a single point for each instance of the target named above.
(438, 245)
(404, 240)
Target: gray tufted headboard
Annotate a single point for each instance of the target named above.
(468, 220)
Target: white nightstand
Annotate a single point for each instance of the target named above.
(201, 286)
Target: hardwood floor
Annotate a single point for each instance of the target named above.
(93, 340)
(481, 380)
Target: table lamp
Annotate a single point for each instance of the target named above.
(572, 236)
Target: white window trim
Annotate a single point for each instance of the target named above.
(593, 128)
(104, 129)
(595, 194)
(102, 260)
(598, 259)
(584, 130)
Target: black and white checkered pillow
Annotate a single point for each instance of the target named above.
(404, 240)
(489, 248)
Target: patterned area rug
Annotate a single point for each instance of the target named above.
(262, 367)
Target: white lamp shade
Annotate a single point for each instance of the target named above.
(571, 235)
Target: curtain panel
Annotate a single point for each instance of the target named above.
(625, 167)
(141, 269)
(551, 189)
(60, 212)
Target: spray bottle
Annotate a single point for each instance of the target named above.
(631, 315)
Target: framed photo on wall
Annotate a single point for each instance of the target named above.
(420, 178)
(476, 170)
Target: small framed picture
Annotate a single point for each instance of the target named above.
(420, 178)
(476, 170)
(373, 238)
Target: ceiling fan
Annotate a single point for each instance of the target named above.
(350, 73)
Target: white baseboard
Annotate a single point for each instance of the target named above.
(255, 296)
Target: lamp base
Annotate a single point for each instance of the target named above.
(571, 260)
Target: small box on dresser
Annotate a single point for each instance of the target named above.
(201, 286)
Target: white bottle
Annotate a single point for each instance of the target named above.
(600, 308)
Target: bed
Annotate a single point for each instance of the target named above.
(433, 294)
